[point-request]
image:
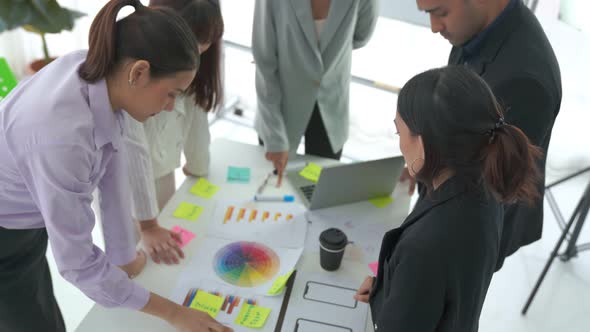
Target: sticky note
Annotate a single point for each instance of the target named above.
(374, 267)
(185, 235)
(279, 284)
(311, 172)
(188, 211)
(238, 174)
(204, 188)
(7, 79)
(381, 202)
(252, 316)
(208, 303)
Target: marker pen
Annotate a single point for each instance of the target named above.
(268, 198)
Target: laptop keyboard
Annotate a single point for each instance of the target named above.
(308, 191)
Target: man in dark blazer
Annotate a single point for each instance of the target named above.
(504, 43)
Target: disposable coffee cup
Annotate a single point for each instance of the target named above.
(332, 244)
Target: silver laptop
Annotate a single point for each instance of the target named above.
(348, 183)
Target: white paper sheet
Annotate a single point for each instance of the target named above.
(362, 233)
(280, 224)
(324, 303)
(233, 301)
(251, 270)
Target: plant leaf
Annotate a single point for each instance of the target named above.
(40, 16)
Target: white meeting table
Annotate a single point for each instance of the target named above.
(161, 278)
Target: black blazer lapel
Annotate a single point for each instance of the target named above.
(448, 191)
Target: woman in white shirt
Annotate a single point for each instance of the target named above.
(155, 147)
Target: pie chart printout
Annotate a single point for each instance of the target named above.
(246, 264)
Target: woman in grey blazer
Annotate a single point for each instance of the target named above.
(303, 51)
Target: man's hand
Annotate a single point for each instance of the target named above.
(406, 176)
(362, 294)
(162, 244)
(279, 161)
(134, 268)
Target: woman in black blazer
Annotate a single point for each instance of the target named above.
(435, 269)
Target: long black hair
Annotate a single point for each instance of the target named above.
(463, 130)
(204, 18)
(157, 35)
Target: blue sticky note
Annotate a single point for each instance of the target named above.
(238, 174)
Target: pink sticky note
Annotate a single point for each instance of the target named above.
(185, 235)
(373, 266)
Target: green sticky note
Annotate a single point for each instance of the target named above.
(279, 284)
(7, 79)
(238, 174)
(208, 303)
(252, 316)
(188, 211)
(381, 202)
(311, 172)
(204, 188)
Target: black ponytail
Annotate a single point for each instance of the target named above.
(157, 35)
(510, 166)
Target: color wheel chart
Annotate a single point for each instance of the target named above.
(245, 215)
(246, 264)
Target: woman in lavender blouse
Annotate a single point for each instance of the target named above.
(60, 139)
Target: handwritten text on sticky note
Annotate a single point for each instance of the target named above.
(185, 235)
(188, 211)
(279, 284)
(208, 303)
(252, 316)
(311, 172)
(204, 188)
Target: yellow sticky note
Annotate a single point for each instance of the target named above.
(188, 211)
(279, 284)
(252, 316)
(311, 172)
(381, 202)
(204, 188)
(208, 303)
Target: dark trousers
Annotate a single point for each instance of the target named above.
(317, 142)
(27, 302)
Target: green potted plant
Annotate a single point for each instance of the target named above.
(38, 16)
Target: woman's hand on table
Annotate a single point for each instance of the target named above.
(136, 266)
(190, 320)
(161, 243)
(184, 319)
(279, 161)
(362, 294)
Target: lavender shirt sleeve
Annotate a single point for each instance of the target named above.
(59, 178)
